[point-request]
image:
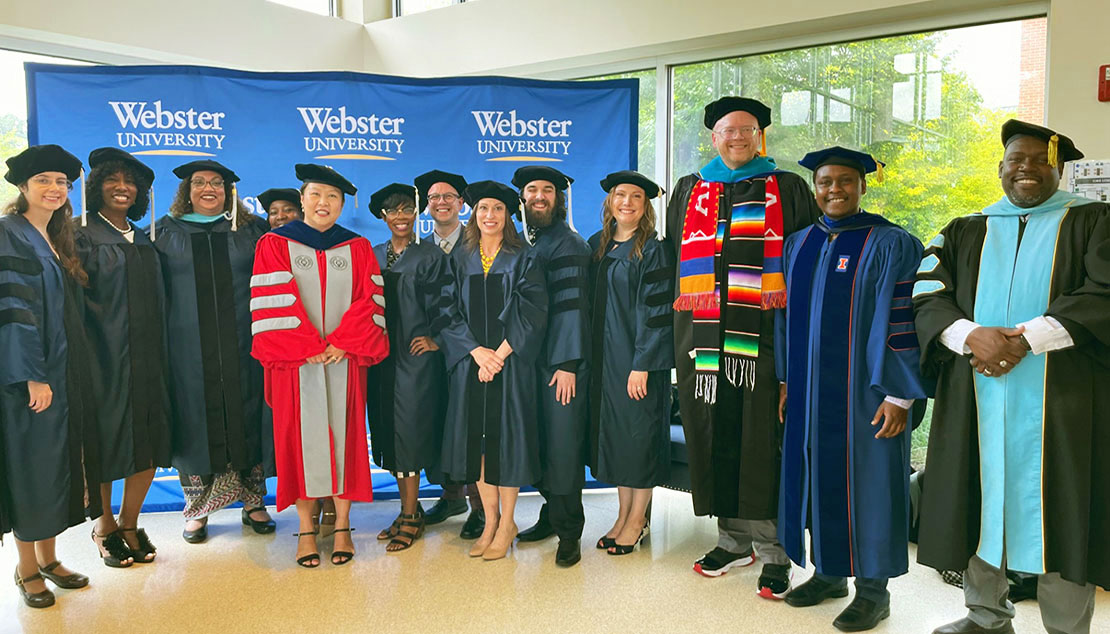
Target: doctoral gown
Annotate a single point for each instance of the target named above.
(495, 419)
(406, 394)
(215, 385)
(563, 256)
(845, 343)
(734, 444)
(124, 319)
(50, 459)
(311, 289)
(1074, 447)
(632, 328)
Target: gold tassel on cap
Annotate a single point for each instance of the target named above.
(763, 143)
(879, 175)
(1054, 150)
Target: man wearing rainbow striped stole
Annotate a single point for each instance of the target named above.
(727, 223)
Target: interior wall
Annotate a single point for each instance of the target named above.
(1077, 45)
(247, 34)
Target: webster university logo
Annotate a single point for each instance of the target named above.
(336, 133)
(507, 136)
(155, 127)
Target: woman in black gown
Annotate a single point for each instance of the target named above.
(632, 290)
(124, 319)
(498, 316)
(405, 392)
(48, 429)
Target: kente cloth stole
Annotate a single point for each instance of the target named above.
(752, 257)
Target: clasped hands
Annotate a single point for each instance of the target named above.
(996, 351)
(490, 362)
(331, 354)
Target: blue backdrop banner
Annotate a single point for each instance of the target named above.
(373, 129)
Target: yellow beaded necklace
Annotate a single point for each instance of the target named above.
(487, 260)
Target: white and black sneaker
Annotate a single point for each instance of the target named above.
(719, 561)
(774, 581)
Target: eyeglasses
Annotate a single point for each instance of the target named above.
(736, 133)
(46, 181)
(400, 211)
(447, 198)
(200, 183)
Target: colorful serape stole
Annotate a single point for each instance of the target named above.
(752, 255)
(696, 281)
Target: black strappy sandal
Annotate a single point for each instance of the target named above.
(113, 550)
(344, 556)
(142, 554)
(606, 542)
(394, 528)
(624, 549)
(406, 538)
(306, 561)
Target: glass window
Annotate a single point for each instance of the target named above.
(409, 7)
(320, 7)
(929, 105)
(13, 109)
(646, 128)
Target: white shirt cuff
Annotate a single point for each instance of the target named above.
(1046, 334)
(954, 337)
(904, 403)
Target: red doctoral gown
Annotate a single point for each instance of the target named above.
(311, 289)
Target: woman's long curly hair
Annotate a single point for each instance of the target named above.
(60, 230)
(183, 204)
(644, 229)
(510, 237)
(94, 185)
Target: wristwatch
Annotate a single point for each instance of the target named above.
(1025, 342)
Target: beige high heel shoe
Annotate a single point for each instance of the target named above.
(498, 550)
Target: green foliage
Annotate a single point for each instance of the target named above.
(13, 139)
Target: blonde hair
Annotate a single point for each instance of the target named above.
(644, 229)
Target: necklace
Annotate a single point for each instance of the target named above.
(487, 261)
(127, 230)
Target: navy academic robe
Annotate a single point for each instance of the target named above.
(49, 456)
(215, 384)
(849, 339)
(564, 258)
(495, 419)
(406, 394)
(632, 330)
(124, 319)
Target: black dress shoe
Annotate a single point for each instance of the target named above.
(568, 553)
(443, 509)
(71, 581)
(198, 536)
(813, 592)
(539, 531)
(264, 527)
(861, 614)
(967, 626)
(475, 524)
(42, 599)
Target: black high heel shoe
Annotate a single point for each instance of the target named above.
(606, 542)
(343, 556)
(42, 599)
(306, 561)
(623, 549)
(264, 527)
